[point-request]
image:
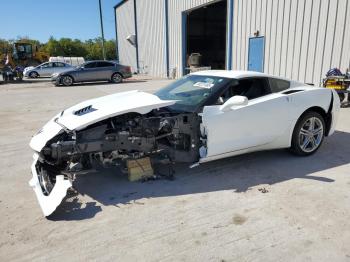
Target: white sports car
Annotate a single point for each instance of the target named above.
(199, 118)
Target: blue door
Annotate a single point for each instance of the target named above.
(256, 54)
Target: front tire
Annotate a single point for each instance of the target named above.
(308, 134)
(117, 78)
(67, 80)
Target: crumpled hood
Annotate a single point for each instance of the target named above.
(94, 110)
(91, 111)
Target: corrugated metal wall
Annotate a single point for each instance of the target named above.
(125, 27)
(303, 38)
(176, 7)
(151, 37)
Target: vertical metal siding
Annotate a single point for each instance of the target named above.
(303, 38)
(285, 38)
(279, 36)
(322, 30)
(345, 46)
(236, 35)
(306, 49)
(151, 37)
(126, 27)
(229, 32)
(306, 13)
(332, 14)
(339, 31)
(268, 34)
(313, 42)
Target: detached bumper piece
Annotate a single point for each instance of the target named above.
(49, 203)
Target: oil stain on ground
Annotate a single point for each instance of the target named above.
(239, 220)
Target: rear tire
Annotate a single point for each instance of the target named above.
(33, 74)
(117, 78)
(67, 80)
(308, 134)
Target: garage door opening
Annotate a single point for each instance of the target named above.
(205, 34)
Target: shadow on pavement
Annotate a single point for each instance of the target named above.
(238, 174)
(28, 81)
(108, 83)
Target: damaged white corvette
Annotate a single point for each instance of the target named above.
(202, 117)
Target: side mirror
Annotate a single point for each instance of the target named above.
(234, 101)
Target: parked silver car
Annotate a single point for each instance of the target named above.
(93, 71)
(46, 69)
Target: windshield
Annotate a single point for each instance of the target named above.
(191, 91)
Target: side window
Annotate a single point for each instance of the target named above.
(249, 87)
(104, 64)
(90, 65)
(47, 65)
(278, 85)
(229, 91)
(253, 88)
(58, 64)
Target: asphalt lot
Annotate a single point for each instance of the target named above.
(215, 212)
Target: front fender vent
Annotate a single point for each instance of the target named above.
(84, 111)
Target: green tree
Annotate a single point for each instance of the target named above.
(94, 50)
(5, 46)
(53, 48)
(90, 49)
(111, 50)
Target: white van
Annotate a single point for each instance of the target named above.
(74, 61)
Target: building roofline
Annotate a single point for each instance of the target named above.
(120, 3)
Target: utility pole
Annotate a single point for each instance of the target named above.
(103, 37)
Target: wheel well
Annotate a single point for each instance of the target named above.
(69, 75)
(34, 72)
(118, 74)
(327, 117)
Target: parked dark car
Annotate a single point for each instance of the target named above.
(93, 71)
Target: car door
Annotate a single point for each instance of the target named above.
(261, 121)
(59, 67)
(46, 69)
(105, 70)
(86, 73)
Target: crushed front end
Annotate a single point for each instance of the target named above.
(62, 153)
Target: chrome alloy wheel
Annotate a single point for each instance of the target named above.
(311, 134)
(117, 78)
(67, 81)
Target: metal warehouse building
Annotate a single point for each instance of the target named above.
(298, 39)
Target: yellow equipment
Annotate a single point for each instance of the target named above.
(339, 83)
(23, 54)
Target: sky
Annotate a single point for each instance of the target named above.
(40, 19)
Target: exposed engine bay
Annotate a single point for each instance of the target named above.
(159, 133)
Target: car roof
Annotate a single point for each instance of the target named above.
(236, 74)
(240, 74)
(91, 61)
